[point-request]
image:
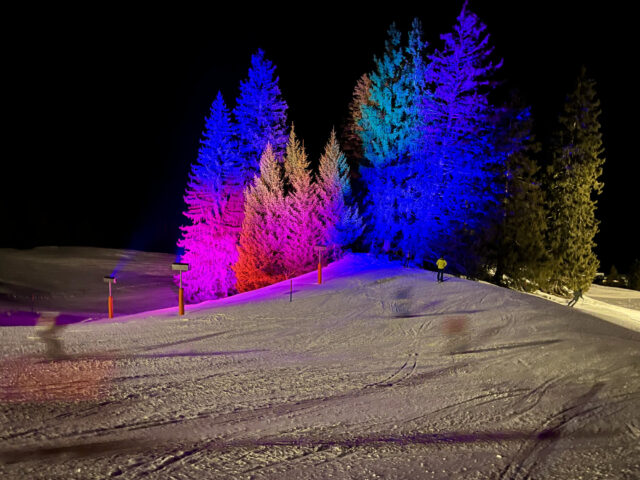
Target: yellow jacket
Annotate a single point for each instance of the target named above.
(441, 263)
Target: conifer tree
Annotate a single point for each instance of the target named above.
(341, 223)
(389, 132)
(260, 114)
(456, 145)
(260, 261)
(351, 139)
(517, 244)
(304, 230)
(572, 187)
(209, 240)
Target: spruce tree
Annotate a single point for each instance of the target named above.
(341, 222)
(573, 184)
(304, 229)
(351, 139)
(517, 239)
(209, 240)
(457, 153)
(260, 115)
(260, 261)
(389, 133)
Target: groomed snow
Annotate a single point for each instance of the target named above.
(379, 372)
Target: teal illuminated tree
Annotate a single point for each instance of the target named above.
(389, 132)
(573, 184)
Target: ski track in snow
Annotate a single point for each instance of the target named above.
(378, 373)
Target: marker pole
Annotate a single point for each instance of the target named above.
(181, 297)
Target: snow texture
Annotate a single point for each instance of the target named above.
(380, 372)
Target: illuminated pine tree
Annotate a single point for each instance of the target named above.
(573, 183)
(341, 223)
(260, 115)
(260, 261)
(209, 240)
(304, 229)
(389, 132)
(456, 146)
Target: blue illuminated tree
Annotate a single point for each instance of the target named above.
(209, 240)
(260, 115)
(389, 130)
(457, 150)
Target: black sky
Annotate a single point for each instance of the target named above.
(106, 107)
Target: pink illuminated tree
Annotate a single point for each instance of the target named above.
(260, 262)
(303, 225)
(209, 240)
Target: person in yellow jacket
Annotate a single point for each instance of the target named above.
(441, 263)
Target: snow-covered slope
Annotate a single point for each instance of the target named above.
(70, 280)
(616, 305)
(380, 372)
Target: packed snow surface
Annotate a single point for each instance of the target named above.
(380, 372)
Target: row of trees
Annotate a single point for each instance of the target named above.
(443, 169)
(287, 214)
(448, 171)
(255, 209)
(227, 162)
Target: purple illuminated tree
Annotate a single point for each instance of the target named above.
(209, 241)
(260, 261)
(457, 150)
(260, 115)
(341, 223)
(304, 229)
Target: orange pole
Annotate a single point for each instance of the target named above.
(110, 306)
(319, 273)
(181, 301)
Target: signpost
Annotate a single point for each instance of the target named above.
(110, 279)
(320, 249)
(181, 267)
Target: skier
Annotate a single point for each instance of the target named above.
(577, 294)
(407, 257)
(441, 263)
(49, 331)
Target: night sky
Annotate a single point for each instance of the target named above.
(106, 108)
